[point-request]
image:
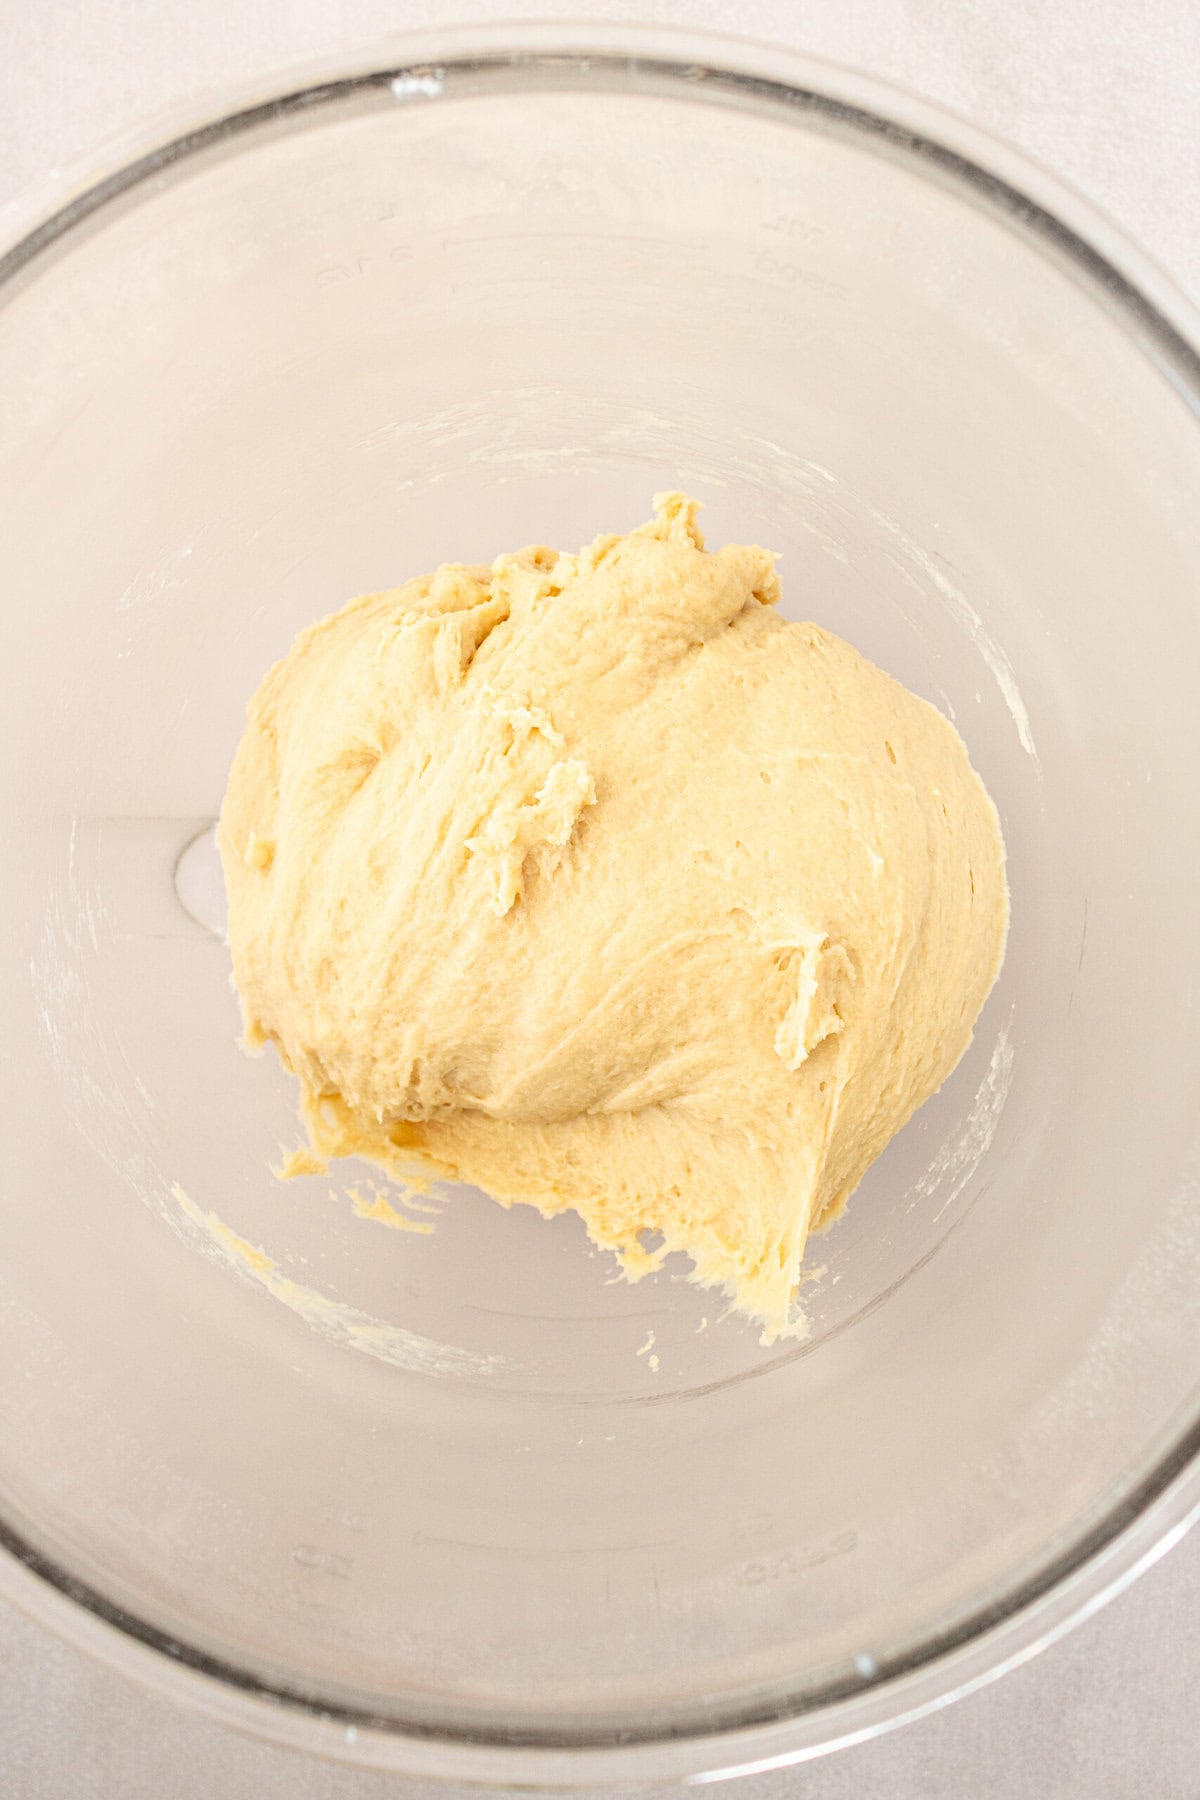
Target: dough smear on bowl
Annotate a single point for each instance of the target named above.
(590, 880)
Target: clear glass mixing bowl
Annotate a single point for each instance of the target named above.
(462, 1502)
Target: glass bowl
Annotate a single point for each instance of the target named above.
(462, 1502)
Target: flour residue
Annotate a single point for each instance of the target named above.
(957, 1161)
(334, 1318)
(999, 667)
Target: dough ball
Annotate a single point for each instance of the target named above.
(590, 880)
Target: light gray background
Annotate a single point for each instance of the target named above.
(1108, 95)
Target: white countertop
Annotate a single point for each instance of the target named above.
(1106, 94)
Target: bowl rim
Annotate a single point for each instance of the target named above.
(1155, 1511)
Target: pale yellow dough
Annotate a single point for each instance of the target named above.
(590, 880)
